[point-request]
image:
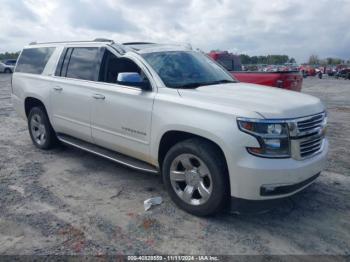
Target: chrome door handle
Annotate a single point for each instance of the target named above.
(98, 96)
(58, 88)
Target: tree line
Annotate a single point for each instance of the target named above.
(315, 60)
(8, 55)
(282, 59)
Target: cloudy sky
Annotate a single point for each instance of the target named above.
(297, 28)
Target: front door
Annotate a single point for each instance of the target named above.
(121, 114)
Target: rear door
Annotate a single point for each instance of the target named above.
(71, 94)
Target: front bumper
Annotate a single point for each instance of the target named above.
(254, 178)
(275, 190)
(239, 205)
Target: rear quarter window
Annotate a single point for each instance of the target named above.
(34, 60)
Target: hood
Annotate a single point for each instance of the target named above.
(269, 102)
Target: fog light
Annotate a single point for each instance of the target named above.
(269, 188)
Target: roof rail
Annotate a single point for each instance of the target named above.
(138, 43)
(76, 41)
(134, 44)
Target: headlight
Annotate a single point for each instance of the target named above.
(273, 137)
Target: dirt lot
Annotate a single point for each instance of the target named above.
(66, 201)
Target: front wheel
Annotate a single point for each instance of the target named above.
(7, 71)
(40, 129)
(195, 176)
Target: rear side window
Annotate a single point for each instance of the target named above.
(34, 60)
(61, 69)
(80, 63)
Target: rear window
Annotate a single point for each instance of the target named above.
(33, 60)
(230, 62)
(226, 62)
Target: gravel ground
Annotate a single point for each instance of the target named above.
(68, 202)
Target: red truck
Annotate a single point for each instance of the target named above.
(308, 70)
(291, 80)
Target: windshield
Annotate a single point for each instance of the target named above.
(187, 69)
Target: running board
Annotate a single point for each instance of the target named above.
(108, 154)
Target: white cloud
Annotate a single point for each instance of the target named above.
(297, 28)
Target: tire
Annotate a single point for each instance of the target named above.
(7, 71)
(206, 172)
(40, 129)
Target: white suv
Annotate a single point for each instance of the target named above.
(170, 110)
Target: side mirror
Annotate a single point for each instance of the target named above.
(132, 79)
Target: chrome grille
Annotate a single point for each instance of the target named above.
(308, 136)
(310, 146)
(311, 123)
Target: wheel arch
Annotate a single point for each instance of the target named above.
(30, 102)
(172, 137)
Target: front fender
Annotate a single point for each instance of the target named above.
(187, 129)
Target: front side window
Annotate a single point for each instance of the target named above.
(34, 60)
(186, 69)
(113, 66)
(83, 63)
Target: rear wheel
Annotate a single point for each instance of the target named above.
(7, 71)
(40, 129)
(196, 178)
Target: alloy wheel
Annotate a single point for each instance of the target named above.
(38, 129)
(191, 179)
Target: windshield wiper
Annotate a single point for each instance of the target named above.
(191, 85)
(195, 85)
(224, 81)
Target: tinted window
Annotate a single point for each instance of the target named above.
(61, 69)
(112, 66)
(226, 62)
(33, 60)
(83, 63)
